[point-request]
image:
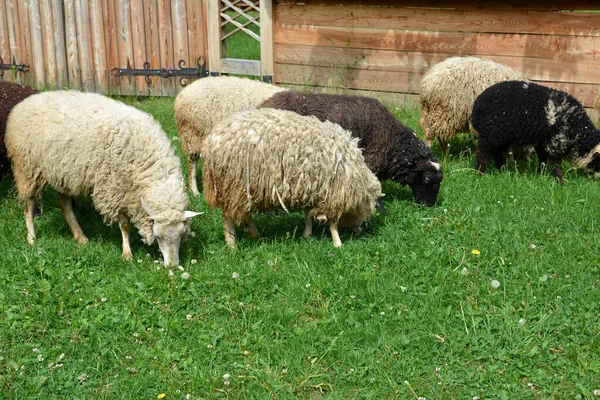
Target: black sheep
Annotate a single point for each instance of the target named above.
(519, 113)
(10, 95)
(391, 150)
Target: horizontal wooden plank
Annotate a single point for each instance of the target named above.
(463, 4)
(446, 42)
(242, 67)
(391, 81)
(584, 70)
(507, 21)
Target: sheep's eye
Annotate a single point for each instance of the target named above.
(426, 180)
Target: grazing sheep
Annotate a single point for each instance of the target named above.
(88, 144)
(448, 91)
(10, 95)
(391, 150)
(520, 113)
(259, 160)
(206, 102)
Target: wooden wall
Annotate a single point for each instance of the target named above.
(384, 47)
(75, 43)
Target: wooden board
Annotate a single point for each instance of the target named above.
(562, 47)
(585, 70)
(462, 4)
(497, 21)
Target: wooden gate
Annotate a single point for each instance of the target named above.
(77, 43)
(254, 12)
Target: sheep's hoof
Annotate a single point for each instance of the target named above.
(30, 239)
(82, 240)
(127, 255)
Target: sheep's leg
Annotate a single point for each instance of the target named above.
(481, 157)
(229, 231)
(308, 226)
(29, 207)
(557, 169)
(65, 203)
(124, 226)
(192, 170)
(250, 227)
(443, 147)
(333, 227)
(499, 158)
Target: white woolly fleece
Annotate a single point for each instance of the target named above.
(208, 101)
(89, 144)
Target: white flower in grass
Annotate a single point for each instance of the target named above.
(597, 392)
(543, 278)
(495, 284)
(40, 357)
(465, 271)
(139, 260)
(235, 275)
(180, 268)
(194, 261)
(171, 273)
(185, 275)
(522, 321)
(226, 377)
(307, 285)
(226, 383)
(532, 246)
(35, 349)
(62, 356)
(83, 377)
(104, 299)
(189, 317)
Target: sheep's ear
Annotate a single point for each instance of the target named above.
(150, 213)
(595, 156)
(190, 214)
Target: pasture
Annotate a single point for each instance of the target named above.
(492, 293)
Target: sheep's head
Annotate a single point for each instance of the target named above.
(425, 182)
(168, 228)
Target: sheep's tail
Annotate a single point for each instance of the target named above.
(209, 187)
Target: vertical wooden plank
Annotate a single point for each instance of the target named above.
(213, 19)
(123, 23)
(267, 46)
(58, 27)
(153, 46)
(84, 44)
(195, 33)
(38, 56)
(4, 40)
(49, 45)
(25, 56)
(98, 46)
(112, 44)
(139, 43)
(180, 36)
(71, 44)
(166, 43)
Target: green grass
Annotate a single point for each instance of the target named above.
(405, 310)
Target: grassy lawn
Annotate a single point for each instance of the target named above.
(493, 293)
(405, 310)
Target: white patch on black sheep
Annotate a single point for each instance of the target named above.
(391, 150)
(518, 113)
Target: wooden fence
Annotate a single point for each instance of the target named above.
(383, 48)
(76, 43)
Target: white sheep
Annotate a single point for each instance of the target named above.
(208, 101)
(448, 91)
(89, 144)
(259, 160)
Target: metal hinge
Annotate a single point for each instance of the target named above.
(12, 67)
(148, 73)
